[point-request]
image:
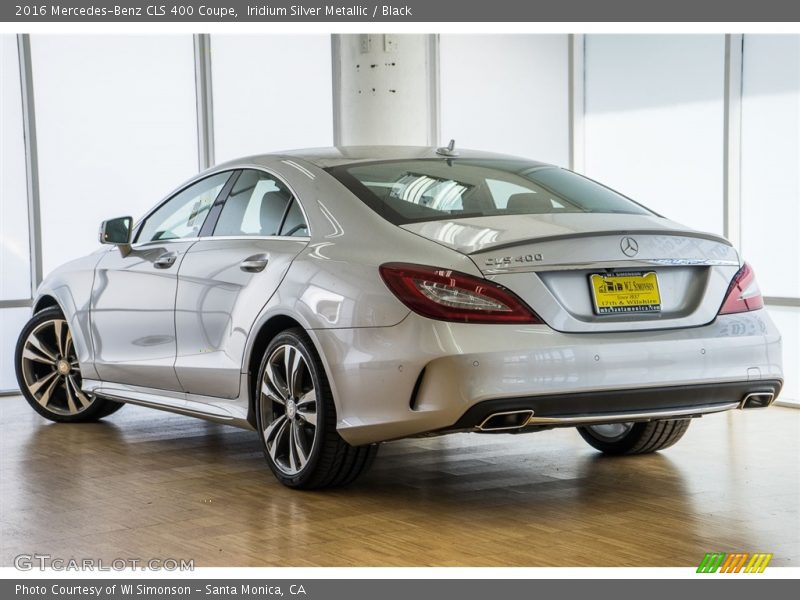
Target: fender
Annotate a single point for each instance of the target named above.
(70, 286)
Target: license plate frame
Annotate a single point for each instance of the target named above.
(626, 293)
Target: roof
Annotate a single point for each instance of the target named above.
(342, 155)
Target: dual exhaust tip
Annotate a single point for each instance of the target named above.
(517, 419)
(757, 400)
(506, 421)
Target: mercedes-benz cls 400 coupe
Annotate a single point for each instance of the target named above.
(334, 299)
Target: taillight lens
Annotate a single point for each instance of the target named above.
(743, 293)
(452, 296)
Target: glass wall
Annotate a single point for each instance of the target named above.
(771, 180)
(15, 266)
(271, 92)
(654, 122)
(117, 129)
(507, 94)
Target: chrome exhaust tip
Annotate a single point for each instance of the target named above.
(757, 400)
(506, 421)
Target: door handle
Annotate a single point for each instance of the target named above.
(254, 264)
(165, 261)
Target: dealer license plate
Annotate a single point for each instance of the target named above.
(622, 293)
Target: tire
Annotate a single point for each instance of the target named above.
(48, 374)
(296, 421)
(634, 438)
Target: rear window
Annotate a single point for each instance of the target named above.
(408, 191)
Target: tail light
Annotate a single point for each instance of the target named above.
(743, 293)
(452, 296)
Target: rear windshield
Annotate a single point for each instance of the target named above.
(409, 191)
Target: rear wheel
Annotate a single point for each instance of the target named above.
(48, 373)
(296, 418)
(634, 438)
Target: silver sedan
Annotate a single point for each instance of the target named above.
(334, 299)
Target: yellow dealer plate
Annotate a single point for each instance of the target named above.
(622, 293)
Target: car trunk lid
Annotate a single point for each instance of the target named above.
(548, 260)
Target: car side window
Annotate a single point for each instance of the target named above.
(183, 215)
(258, 205)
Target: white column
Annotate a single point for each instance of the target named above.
(385, 89)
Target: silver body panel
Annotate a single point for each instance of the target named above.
(216, 305)
(188, 332)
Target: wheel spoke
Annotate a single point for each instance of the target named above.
(274, 434)
(44, 399)
(269, 389)
(34, 355)
(38, 385)
(292, 361)
(58, 328)
(82, 398)
(70, 398)
(43, 348)
(307, 408)
(68, 346)
(275, 388)
(299, 450)
(293, 447)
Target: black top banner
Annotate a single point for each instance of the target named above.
(22, 11)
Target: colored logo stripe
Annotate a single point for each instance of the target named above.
(711, 562)
(758, 563)
(734, 563)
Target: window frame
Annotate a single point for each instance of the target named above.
(207, 231)
(223, 193)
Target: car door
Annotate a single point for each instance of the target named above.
(133, 295)
(227, 277)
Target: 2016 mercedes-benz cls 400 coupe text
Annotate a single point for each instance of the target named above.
(334, 299)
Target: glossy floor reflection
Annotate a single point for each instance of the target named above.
(146, 484)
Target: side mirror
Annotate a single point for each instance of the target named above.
(116, 231)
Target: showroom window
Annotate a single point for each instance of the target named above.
(15, 258)
(771, 183)
(261, 103)
(116, 120)
(654, 116)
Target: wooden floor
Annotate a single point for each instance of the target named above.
(146, 484)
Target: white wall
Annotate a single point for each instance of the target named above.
(15, 280)
(654, 122)
(771, 181)
(117, 129)
(271, 92)
(385, 90)
(507, 94)
(771, 161)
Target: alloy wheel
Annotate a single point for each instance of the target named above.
(288, 409)
(610, 432)
(50, 369)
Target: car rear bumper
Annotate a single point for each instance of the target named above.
(424, 376)
(642, 404)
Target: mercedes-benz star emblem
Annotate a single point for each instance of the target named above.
(629, 246)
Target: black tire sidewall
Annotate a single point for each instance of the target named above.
(620, 446)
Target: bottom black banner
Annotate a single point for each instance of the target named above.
(387, 589)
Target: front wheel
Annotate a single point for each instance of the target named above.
(634, 438)
(296, 418)
(48, 373)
